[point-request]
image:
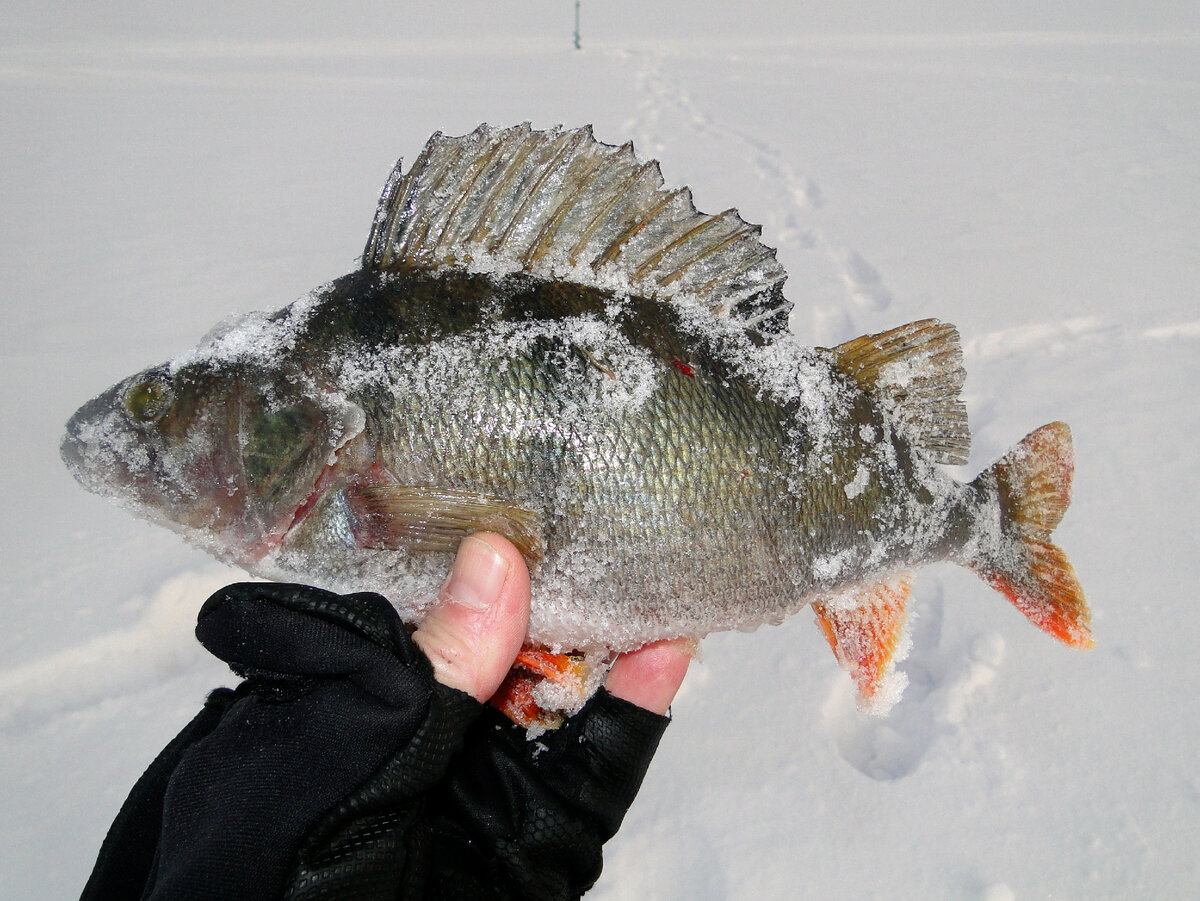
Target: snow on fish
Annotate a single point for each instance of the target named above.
(545, 342)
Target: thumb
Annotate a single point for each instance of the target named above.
(473, 633)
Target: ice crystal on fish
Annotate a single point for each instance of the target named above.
(545, 341)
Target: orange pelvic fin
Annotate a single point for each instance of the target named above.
(536, 675)
(865, 633)
(1033, 481)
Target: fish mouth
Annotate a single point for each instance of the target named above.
(70, 451)
(82, 448)
(106, 457)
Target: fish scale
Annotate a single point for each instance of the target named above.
(699, 500)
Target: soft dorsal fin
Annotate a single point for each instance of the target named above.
(865, 629)
(561, 204)
(917, 369)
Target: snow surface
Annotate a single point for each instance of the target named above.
(1028, 173)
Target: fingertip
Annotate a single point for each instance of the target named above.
(518, 569)
(650, 676)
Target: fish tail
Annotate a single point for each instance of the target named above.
(1032, 484)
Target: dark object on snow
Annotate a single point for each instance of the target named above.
(340, 769)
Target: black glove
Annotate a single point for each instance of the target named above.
(341, 769)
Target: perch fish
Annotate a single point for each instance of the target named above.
(544, 341)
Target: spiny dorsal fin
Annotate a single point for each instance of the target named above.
(561, 204)
(916, 368)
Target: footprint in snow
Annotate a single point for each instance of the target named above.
(665, 104)
(941, 682)
(863, 281)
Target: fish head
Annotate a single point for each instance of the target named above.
(227, 454)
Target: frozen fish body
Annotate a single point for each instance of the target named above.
(544, 342)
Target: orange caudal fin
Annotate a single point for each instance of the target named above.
(865, 628)
(1033, 484)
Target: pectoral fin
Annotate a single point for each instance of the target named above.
(865, 630)
(437, 519)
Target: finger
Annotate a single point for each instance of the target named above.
(650, 676)
(473, 633)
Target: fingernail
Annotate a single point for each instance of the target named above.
(477, 577)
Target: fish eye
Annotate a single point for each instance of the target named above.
(148, 401)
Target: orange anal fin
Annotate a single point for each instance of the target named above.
(865, 634)
(517, 697)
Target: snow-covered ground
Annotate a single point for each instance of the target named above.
(1038, 188)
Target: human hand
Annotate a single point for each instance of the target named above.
(474, 633)
(349, 764)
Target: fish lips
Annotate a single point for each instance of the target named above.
(85, 449)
